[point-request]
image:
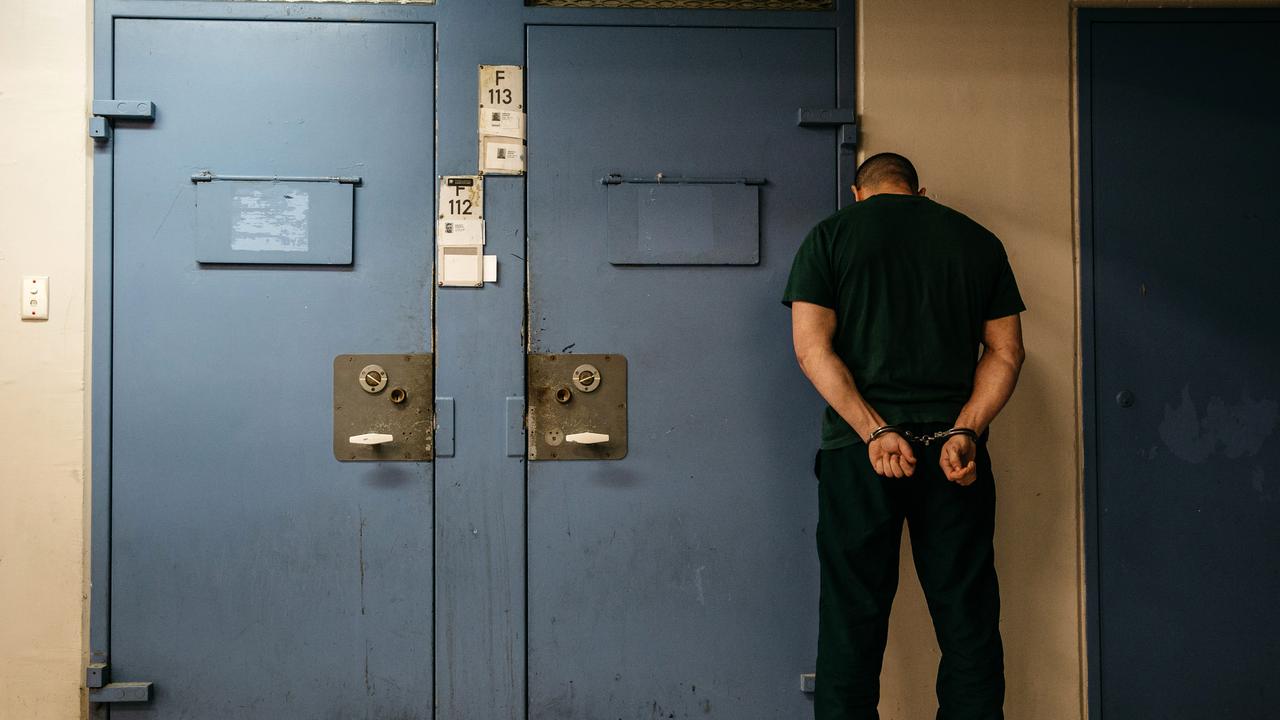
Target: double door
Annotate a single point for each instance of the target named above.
(256, 570)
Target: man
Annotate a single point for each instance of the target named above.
(890, 299)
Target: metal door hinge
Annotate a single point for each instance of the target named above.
(844, 118)
(101, 691)
(121, 692)
(105, 110)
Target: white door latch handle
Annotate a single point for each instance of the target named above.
(587, 438)
(371, 439)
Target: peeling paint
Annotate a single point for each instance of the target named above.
(1236, 430)
(274, 221)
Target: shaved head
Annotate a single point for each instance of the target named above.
(887, 169)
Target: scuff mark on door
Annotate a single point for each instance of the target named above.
(1239, 429)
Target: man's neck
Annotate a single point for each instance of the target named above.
(886, 190)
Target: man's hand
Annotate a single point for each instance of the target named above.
(959, 459)
(891, 456)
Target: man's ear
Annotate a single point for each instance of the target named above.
(857, 193)
(921, 191)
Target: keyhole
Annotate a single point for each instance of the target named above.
(586, 378)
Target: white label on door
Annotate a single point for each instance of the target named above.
(491, 268)
(457, 231)
(461, 197)
(502, 86)
(496, 121)
(461, 265)
(501, 156)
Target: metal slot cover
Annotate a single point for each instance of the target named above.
(582, 397)
(379, 395)
(692, 222)
(291, 221)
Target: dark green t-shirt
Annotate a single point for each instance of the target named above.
(912, 283)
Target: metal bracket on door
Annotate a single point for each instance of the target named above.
(664, 179)
(577, 407)
(383, 407)
(844, 118)
(105, 110)
(101, 691)
(210, 176)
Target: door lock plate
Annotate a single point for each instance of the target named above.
(375, 396)
(577, 407)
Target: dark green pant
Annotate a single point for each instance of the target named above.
(860, 516)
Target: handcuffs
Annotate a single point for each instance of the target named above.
(925, 440)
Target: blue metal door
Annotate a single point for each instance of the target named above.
(681, 579)
(254, 575)
(1179, 120)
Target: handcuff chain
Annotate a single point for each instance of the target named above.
(925, 440)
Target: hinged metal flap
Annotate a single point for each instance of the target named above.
(683, 224)
(125, 109)
(261, 220)
(121, 692)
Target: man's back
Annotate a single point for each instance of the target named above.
(912, 282)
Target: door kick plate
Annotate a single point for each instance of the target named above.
(383, 407)
(577, 407)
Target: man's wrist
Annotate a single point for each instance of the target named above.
(862, 420)
(880, 431)
(959, 431)
(970, 423)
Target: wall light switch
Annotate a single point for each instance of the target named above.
(35, 297)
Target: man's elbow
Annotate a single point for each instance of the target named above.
(1015, 356)
(807, 357)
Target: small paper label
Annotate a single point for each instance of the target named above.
(491, 268)
(460, 232)
(502, 155)
(496, 121)
(461, 265)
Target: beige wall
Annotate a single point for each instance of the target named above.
(978, 93)
(43, 215)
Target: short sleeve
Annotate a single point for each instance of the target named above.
(811, 274)
(1004, 298)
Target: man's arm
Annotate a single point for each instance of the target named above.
(812, 328)
(993, 384)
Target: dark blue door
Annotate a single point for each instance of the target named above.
(680, 580)
(253, 575)
(1180, 121)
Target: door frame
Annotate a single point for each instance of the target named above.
(496, 495)
(1090, 399)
